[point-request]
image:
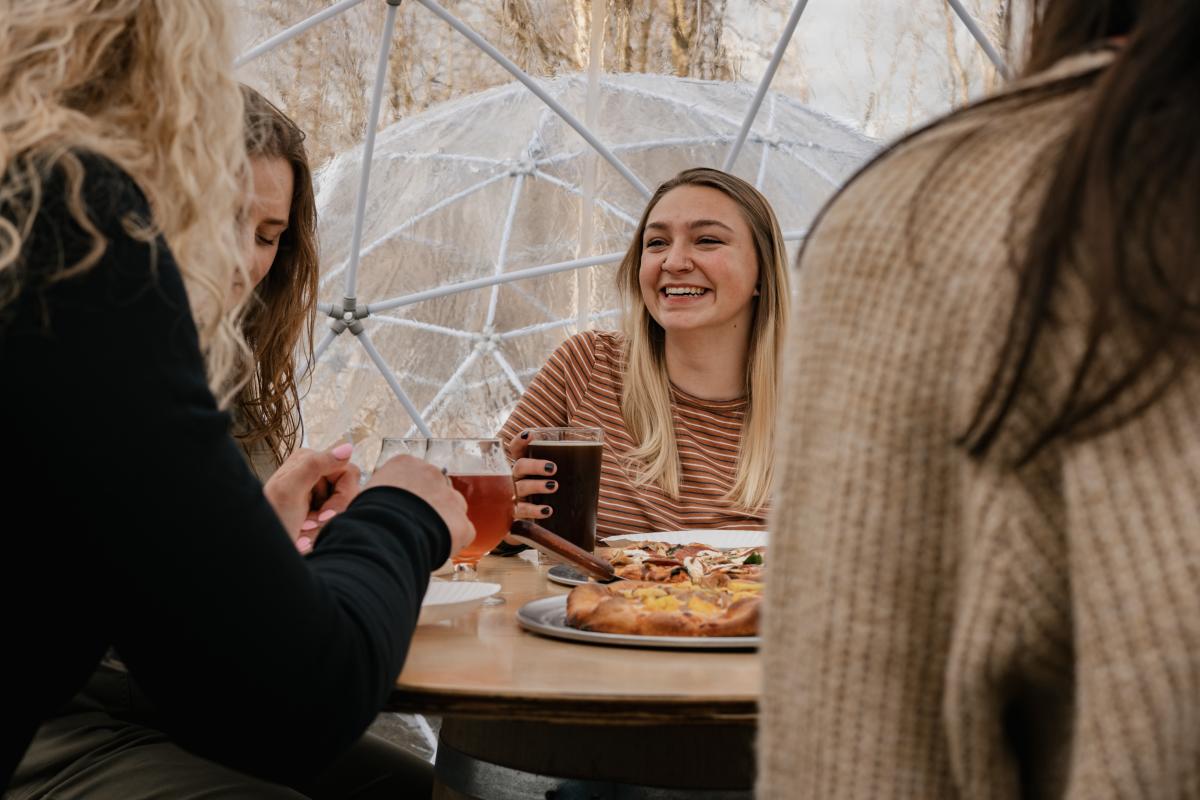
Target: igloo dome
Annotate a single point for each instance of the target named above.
(495, 184)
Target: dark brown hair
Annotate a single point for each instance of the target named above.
(281, 316)
(1122, 209)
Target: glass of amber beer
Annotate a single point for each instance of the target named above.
(479, 470)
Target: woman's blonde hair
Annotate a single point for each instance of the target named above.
(281, 315)
(147, 85)
(646, 393)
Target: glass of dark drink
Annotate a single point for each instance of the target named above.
(576, 452)
(479, 470)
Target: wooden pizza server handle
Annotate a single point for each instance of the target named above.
(536, 536)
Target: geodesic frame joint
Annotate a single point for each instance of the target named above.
(348, 315)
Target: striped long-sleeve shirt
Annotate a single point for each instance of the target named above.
(580, 386)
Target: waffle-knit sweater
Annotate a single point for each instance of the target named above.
(941, 627)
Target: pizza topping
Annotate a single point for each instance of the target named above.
(696, 563)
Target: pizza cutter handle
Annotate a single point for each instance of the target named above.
(535, 535)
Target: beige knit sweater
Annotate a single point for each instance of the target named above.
(941, 628)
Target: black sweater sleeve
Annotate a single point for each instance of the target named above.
(252, 654)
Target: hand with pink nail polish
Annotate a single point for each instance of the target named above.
(310, 488)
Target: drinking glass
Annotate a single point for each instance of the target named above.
(479, 469)
(576, 452)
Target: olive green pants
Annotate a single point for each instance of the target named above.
(102, 746)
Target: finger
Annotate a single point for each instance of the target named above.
(529, 467)
(518, 445)
(341, 490)
(531, 486)
(531, 511)
(311, 466)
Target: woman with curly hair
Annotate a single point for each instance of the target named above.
(142, 529)
(111, 726)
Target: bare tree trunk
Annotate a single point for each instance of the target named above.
(959, 79)
(621, 14)
(581, 13)
(647, 23)
(683, 30)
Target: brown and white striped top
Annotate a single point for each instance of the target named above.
(581, 386)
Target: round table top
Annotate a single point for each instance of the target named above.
(484, 664)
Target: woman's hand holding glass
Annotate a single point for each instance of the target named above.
(311, 487)
(478, 469)
(431, 485)
(531, 476)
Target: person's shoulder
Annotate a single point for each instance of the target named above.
(81, 190)
(108, 191)
(595, 346)
(940, 189)
(992, 141)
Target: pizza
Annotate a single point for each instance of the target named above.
(666, 609)
(695, 563)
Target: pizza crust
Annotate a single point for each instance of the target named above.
(649, 609)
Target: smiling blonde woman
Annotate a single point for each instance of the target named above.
(686, 393)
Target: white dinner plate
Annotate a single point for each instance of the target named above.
(716, 537)
(449, 599)
(548, 616)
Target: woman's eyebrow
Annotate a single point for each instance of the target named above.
(701, 223)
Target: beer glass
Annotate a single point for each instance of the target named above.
(478, 469)
(576, 453)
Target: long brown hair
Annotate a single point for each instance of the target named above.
(280, 318)
(1123, 209)
(646, 389)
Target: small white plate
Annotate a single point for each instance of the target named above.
(449, 599)
(716, 537)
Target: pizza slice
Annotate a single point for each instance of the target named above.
(652, 609)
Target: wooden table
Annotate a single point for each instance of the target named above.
(531, 716)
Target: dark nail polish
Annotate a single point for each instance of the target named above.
(550, 485)
(550, 466)
(545, 511)
(525, 435)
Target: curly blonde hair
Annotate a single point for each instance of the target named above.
(148, 85)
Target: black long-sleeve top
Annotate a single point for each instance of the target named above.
(129, 518)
